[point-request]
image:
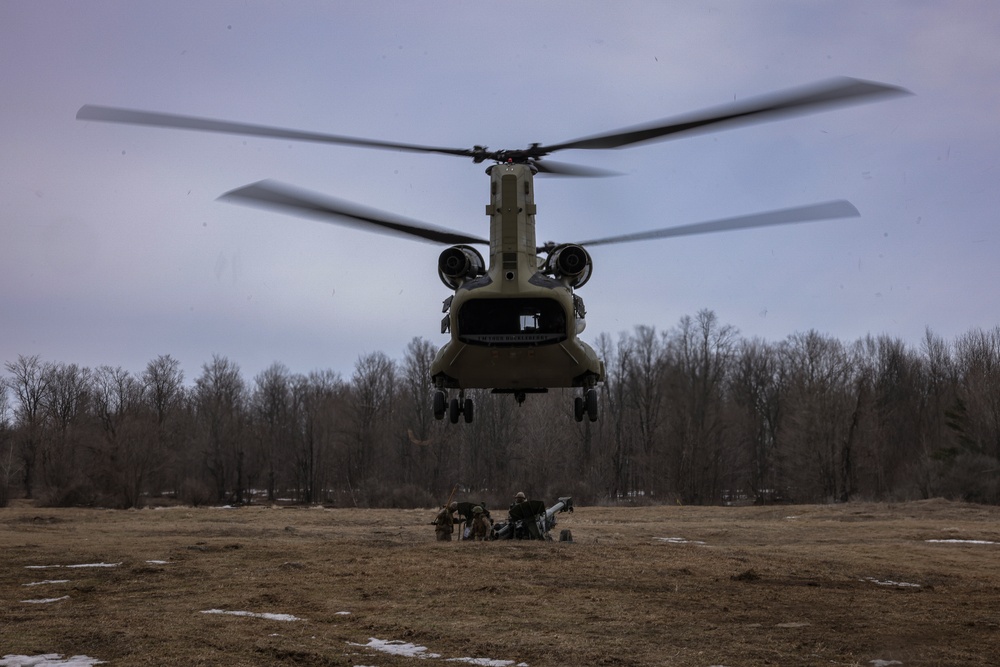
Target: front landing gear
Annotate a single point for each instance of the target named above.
(440, 400)
(586, 405)
(455, 408)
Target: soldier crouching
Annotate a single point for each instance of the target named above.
(482, 527)
(444, 523)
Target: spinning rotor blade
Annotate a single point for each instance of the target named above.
(832, 209)
(807, 99)
(155, 119)
(802, 100)
(271, 194)
(563, 169)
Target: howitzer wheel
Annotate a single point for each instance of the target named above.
(578, 408)
(453, 411)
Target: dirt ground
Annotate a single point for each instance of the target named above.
(854, 584)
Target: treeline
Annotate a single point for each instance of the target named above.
(696, 414)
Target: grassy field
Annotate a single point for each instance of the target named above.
(855, 584)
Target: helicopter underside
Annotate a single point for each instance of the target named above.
(529, 368)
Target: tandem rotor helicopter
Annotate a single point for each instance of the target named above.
(515, 321)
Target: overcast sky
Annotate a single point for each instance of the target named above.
(114, 248)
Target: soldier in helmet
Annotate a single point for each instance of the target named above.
(444, 522)
(518, 499)
(482, 527)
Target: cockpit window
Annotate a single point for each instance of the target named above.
(508, 322)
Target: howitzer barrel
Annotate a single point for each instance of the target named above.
(565, 504)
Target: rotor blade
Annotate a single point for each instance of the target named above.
(806, 99)
(271, 194)
(824, 211)
(553, 168)
(156, 119)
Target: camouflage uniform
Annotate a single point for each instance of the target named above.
(444, 523)
(482, 529)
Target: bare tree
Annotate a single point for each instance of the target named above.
(372, 389)
(645, 377)
(129, 451)
(487, 458)
(274, 428)
(939, 394)
(700, 351)
(29, 381)
(220, 398)
(164, 381)
(8, 464)
(66, 405)
(617, 438)
(973, 471)
(821, 406)
(318, 406)
(164, 394)
(425, 444)
(757, 388)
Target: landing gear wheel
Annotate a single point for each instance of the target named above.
(467, 410)
(578, 408)
(440, 404)
(592, 404)
(453, 411)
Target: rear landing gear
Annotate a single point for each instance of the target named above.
(586, 405)
(455, 408)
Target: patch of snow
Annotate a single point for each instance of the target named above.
(158, 562)
(953, 541)
(46, 600)
(677, 540)
(48, 660)
(343, 613)
(396, 647)
(47, 581)
(270, 617)
(408, 650)
(899, 584)
(884, 663)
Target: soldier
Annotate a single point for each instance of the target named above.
(518, 499)
(482, 527)
(444, 523)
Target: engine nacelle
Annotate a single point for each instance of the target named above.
(570, 262)
(458, 264)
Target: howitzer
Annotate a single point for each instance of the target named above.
(531, 521)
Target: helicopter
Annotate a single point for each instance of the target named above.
(515, 320)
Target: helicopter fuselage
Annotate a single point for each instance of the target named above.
(514, 328)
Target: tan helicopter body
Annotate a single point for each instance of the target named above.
(514, 328)
(515, 323)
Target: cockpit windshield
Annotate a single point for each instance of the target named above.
(511, 322)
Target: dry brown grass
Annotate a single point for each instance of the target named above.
(774, 585)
